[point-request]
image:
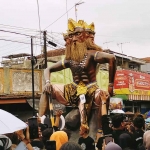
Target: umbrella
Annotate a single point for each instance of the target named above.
(119, 111)
(10, 123)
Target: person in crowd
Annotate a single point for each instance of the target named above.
(14, 139)
(147, 126)
(25, 140)
(112, 146)
(138, 123)
(146, 143)
(38, 142)
(47, 132)
(130, 128)
(60, 137)
(5, 142)
(71, 146)
(119, 124)
(125, 141)
(86, 142)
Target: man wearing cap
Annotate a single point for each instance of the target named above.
(82, 59)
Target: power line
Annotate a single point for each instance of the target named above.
(15, 33)
(18, 28)
(61, 16)
(17, 41)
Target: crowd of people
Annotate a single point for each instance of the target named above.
(121, 133)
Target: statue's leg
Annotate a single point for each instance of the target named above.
(43, 104)
(83, 113)
(57, 93)
(97, 103)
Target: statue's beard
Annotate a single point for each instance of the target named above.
(76, 51)
(67, 52)
(91, 45)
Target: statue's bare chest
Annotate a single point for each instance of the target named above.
(78, 67)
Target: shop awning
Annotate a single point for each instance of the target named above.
(133, 97)
(139, 97)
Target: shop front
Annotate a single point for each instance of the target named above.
(134, 88)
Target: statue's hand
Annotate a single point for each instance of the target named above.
(59, 113)
(104, 95)
(110, 90)
(47, 88)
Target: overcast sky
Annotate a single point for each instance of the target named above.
(116, 22)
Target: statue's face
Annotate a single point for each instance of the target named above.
(78, 35)
(89, 34)
(68, 41)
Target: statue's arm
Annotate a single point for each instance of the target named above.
(103, 57)
(60, 65)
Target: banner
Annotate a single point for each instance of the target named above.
(131, 82)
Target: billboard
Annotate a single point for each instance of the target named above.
(132, 83)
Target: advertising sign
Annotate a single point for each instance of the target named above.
(115, 103)
(131, 82)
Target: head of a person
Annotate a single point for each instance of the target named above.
(125, 141)
(71, 146)
(84, 129)
(139, 122)
(147, 126)
(131, 129)
(68, 132)
(5, 143)
(112, 146)
(118, 121)
(46, 134)
(60, 137)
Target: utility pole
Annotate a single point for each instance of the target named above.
(32, 63)
(45, 49)
(76, 8)
(122, 50)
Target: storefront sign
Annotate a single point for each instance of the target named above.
(132, 83)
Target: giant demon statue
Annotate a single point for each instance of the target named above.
(82, 56)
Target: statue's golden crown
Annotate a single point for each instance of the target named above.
(89, 27)
(73, 24)
(65, 35)
(81, 24)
